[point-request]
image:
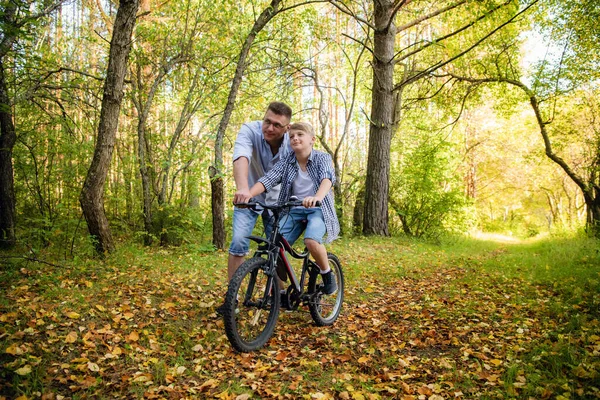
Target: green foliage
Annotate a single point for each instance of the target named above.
(425, 193)
(175, 225)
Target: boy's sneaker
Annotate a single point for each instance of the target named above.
(329, 285)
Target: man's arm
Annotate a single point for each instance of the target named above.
(240, 175)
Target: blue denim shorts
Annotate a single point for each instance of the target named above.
(309, 220)
(244, 220)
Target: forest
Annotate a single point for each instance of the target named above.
(465, 137)
(440, 118)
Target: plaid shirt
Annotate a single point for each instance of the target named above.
(319, 167)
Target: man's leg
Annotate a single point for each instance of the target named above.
(233, 263)
(244, 220)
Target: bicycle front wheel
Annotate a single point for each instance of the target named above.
(325, 309)
(252, 306)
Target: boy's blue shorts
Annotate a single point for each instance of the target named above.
(307, 220)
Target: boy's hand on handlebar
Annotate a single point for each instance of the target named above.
(310, 202)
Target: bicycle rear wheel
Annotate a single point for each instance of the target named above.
(325, 309)
(252, 306)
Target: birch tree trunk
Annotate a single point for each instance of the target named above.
(216, 170)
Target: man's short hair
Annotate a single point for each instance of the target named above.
(280, 108)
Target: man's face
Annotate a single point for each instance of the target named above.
(274, 126)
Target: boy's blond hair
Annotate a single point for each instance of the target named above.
(304, 127)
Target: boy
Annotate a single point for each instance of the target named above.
(307, 174)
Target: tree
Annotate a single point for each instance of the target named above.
(16, 19)
(216, 170)
(387, 87)
(92, 197)
(590, 185)
(574, 67)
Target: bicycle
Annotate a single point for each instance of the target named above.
(252, 302)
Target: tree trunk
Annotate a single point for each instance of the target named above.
(359, 211)
(217, 197)
(146, 184)
(593, 213)
(216, 170)
(8, 138)
(92, 194)
(381, 124)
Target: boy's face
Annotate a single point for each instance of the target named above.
(300, 140)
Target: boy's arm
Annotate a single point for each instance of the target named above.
(254, 191)
(324, 188)
(264, 184)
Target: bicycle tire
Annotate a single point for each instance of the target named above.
(325, 309)
(250, 321)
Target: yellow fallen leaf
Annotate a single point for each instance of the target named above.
(363, 360)
(73, 315)
(133, 337)
(25, 370)
(209, 384)
(71, 337)
(496, 362)
(141, 378)
(100, 307)
(14, 349)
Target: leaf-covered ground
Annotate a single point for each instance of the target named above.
(419, 322)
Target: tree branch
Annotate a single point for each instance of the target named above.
(462, 53)
(343, 8)
(586, 188)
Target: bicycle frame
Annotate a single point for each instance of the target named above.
(276, 246)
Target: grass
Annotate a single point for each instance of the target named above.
(467, 318)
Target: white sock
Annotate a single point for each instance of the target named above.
(326, 271)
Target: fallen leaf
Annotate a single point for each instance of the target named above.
(71, 337)
(25, 370)
(133, 337)
(14, 349)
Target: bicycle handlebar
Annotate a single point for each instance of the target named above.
(277, 206)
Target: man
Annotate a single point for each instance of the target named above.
(258, 147)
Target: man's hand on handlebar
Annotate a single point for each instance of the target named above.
(241, 196)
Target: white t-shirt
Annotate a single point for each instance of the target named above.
(303, 185)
